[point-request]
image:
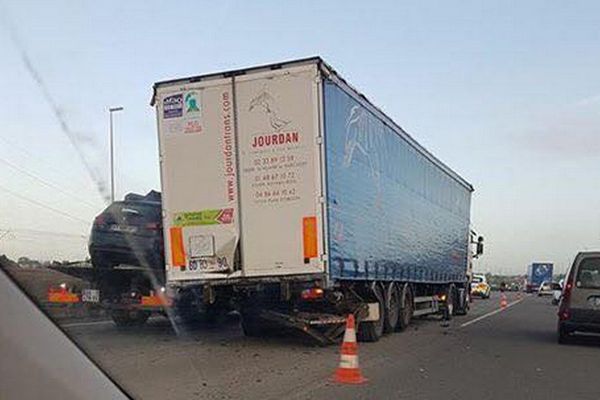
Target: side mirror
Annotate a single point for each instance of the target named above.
(479, 250)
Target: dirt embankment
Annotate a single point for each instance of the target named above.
(36, 282)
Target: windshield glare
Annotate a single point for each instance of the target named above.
(300, 200)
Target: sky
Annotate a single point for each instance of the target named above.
(507, 93)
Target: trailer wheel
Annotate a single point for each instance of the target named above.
(212, 313)
(371, 331)
(252, 324)
(406, 308)
(186, 308)
(392, 308)
(448, 310)
(461, 306)
(125, 318)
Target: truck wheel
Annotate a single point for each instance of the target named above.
(448, 310)
(252, 324)
(212, 314)
(461, 306)
(392, 308)
(371, 331)
(406, 308)
(125, 318)
(188, 307)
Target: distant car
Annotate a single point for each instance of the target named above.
(579, 308)
(129, 232)
(545, 289)
(480, 287)
(556, 292)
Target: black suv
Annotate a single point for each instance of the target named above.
(129, 232)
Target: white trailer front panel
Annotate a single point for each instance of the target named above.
(240, 169)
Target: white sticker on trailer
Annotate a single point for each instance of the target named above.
(202, 246)
(182, 113)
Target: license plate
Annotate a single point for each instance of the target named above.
(90, 295)
(209, 264)
(123, 228)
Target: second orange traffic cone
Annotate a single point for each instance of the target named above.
(348, 370)
(503, 301)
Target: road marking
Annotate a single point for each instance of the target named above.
(484, 316)
(76, 324)
(103, 322)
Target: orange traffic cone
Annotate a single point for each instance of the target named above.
(503, 301)
(348, 370)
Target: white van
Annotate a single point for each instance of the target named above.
(579, 309)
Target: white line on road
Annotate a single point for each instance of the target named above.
(484, 316)
(103, 322)
(76, 324)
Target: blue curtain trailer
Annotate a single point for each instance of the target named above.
(288, 195)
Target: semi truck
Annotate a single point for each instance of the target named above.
(287, 193)
(538, 273)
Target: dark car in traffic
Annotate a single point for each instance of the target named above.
(129, 232)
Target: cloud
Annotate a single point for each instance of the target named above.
(573, 132)
(588, 101)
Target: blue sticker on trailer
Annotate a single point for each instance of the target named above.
(173, 106)
(392, 213)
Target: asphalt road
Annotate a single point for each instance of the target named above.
(488, 354)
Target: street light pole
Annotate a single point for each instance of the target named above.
(112, 151)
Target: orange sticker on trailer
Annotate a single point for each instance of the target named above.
(177, 250)
(309, 237)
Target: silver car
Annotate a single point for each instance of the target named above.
(579, 309)
(545, 289)
(557, 292)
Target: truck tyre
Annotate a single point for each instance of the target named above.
(212, 313)
(126, 318)
(448, 310)
(461, 306)
(252, 324)
(392, 308)
(371, 331)
(406, 308)
(186, 308)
